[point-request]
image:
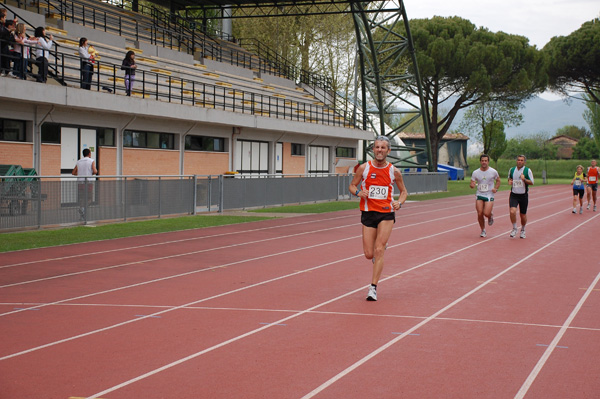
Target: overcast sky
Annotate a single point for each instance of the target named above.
(538, 20)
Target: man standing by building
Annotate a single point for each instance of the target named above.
(520, 178)
(376, 179)
(84, 169)
(487, 181)
(592, 183)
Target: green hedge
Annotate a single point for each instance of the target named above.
(556, 169)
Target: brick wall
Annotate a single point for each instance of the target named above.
(205, 163)
(150, 162)
(292, 165)
(16, 154)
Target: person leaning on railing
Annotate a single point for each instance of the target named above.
(87, 63)
(42, 52)
(22, 51)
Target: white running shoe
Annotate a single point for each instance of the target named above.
(522, 234)
(574, 210)
(580, 210)
(491, 220)
(372, 295)
(513, 233)
(594, 208)
(483, 233)
(588, 207)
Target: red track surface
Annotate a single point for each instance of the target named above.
(276, 309)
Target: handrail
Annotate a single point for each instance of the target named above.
(161, 86)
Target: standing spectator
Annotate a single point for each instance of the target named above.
(129, 67)
(84, 170)
(22, 51)
(87, 64)
(578, 184)
(42, 52)
(4, 39)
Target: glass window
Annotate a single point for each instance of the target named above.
(297, 149)
(202, 143)
(148, 140)
(106, 137)
(12, 130)
(51, 133)
(345, 152)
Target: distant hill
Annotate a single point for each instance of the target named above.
(542, 116)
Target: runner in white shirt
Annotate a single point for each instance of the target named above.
(487, 181)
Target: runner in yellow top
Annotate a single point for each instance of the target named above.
(374, 183)
(578, 184)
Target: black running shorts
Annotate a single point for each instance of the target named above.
(373, 218)
(520, 200)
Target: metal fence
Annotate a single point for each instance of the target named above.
(61, 200)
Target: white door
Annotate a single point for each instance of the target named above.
(72, 143)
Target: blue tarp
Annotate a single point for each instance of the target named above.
(454, 173)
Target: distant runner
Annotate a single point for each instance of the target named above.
(592, 183)
(578, 184)
(487, 181)
(520, 178)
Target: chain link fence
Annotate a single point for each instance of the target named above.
(63, 200)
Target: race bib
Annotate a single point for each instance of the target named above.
(378, 192)
(483, 187)
(592, 179)
(577, 183)
(518, 183)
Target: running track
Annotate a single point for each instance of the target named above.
(276, 309)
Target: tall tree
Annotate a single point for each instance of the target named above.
(592, 117)
(573, 131)
(486, 114)
(496, 138)
(462, 65)
(575, 61)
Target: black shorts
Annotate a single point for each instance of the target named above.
(520, 200)
(373, 218)
(594, 187)
(578, 192)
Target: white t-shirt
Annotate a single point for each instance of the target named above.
(485, 181)
(84, 168)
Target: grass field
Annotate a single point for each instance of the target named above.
(70, 235)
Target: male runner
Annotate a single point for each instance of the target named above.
(520, 178)
(376, 190)
(592, 183)
(487, 181)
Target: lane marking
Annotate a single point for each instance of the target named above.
(554, 344)
(382, 348)
(459, 200)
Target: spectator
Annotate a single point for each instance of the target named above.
(87, 63)
(42, 52)
(129, 67)
(5, 39)
(22, 51)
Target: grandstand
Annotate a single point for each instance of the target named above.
(200, 105)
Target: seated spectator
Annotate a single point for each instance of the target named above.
(22, 51)
(42, 53)
(87, 63)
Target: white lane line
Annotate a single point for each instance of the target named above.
(215, 249)
(300, 313)
(209, 298)
(554, 344)
(382, 348)
(224, 247)
(461, 201)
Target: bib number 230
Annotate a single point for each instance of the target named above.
(378, 192)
